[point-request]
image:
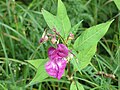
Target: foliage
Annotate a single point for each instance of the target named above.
(117, 4)
(22, 58)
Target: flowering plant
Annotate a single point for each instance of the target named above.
(82, 50)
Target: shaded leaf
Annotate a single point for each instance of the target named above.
(12, 87)
(117, 2)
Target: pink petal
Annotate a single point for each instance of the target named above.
(62, 50)
(51, 68)
(56, 67)
(52, 53)
(61, 65)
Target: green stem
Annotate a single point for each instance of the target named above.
(119, 83)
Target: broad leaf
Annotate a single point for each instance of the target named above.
(61, 22)
(52, 21)
(85, 56)
(86, 44)
(76, 86)
(41, 72)
(91, 36)
(117, 2)
(40, 75)
(62, 15)
(37, 62)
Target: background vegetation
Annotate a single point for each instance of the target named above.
(21, 27)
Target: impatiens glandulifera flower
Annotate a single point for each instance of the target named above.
(57, 61)
(44, 37)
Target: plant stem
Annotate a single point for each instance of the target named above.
(69, 73)
(119, 83)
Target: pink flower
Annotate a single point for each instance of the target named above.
(43, 39)
(57, 61)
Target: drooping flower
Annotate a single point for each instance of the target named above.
(57, 60)
(44, 39)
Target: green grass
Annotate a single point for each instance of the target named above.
(21, 27)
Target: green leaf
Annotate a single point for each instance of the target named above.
(91, 36)
(75, 27)
(86, 44)
(63, 17)
(37, 62)
(40, 75)
(61, 22)
(52, 21)
(41, 72)
(76, 86)
(85, 56)
(117, 2)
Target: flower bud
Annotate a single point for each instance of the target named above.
(71, 36)
(53, 40)
(70, 56)
(43, 39)
(54, 30)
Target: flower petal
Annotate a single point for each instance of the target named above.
(56, 67)
(62, 50)
(61, 65)
(51, 68)
(52, 53)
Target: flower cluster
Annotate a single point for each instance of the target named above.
(54, 36)
(57, 61)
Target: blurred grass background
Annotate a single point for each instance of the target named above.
(22, 25)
